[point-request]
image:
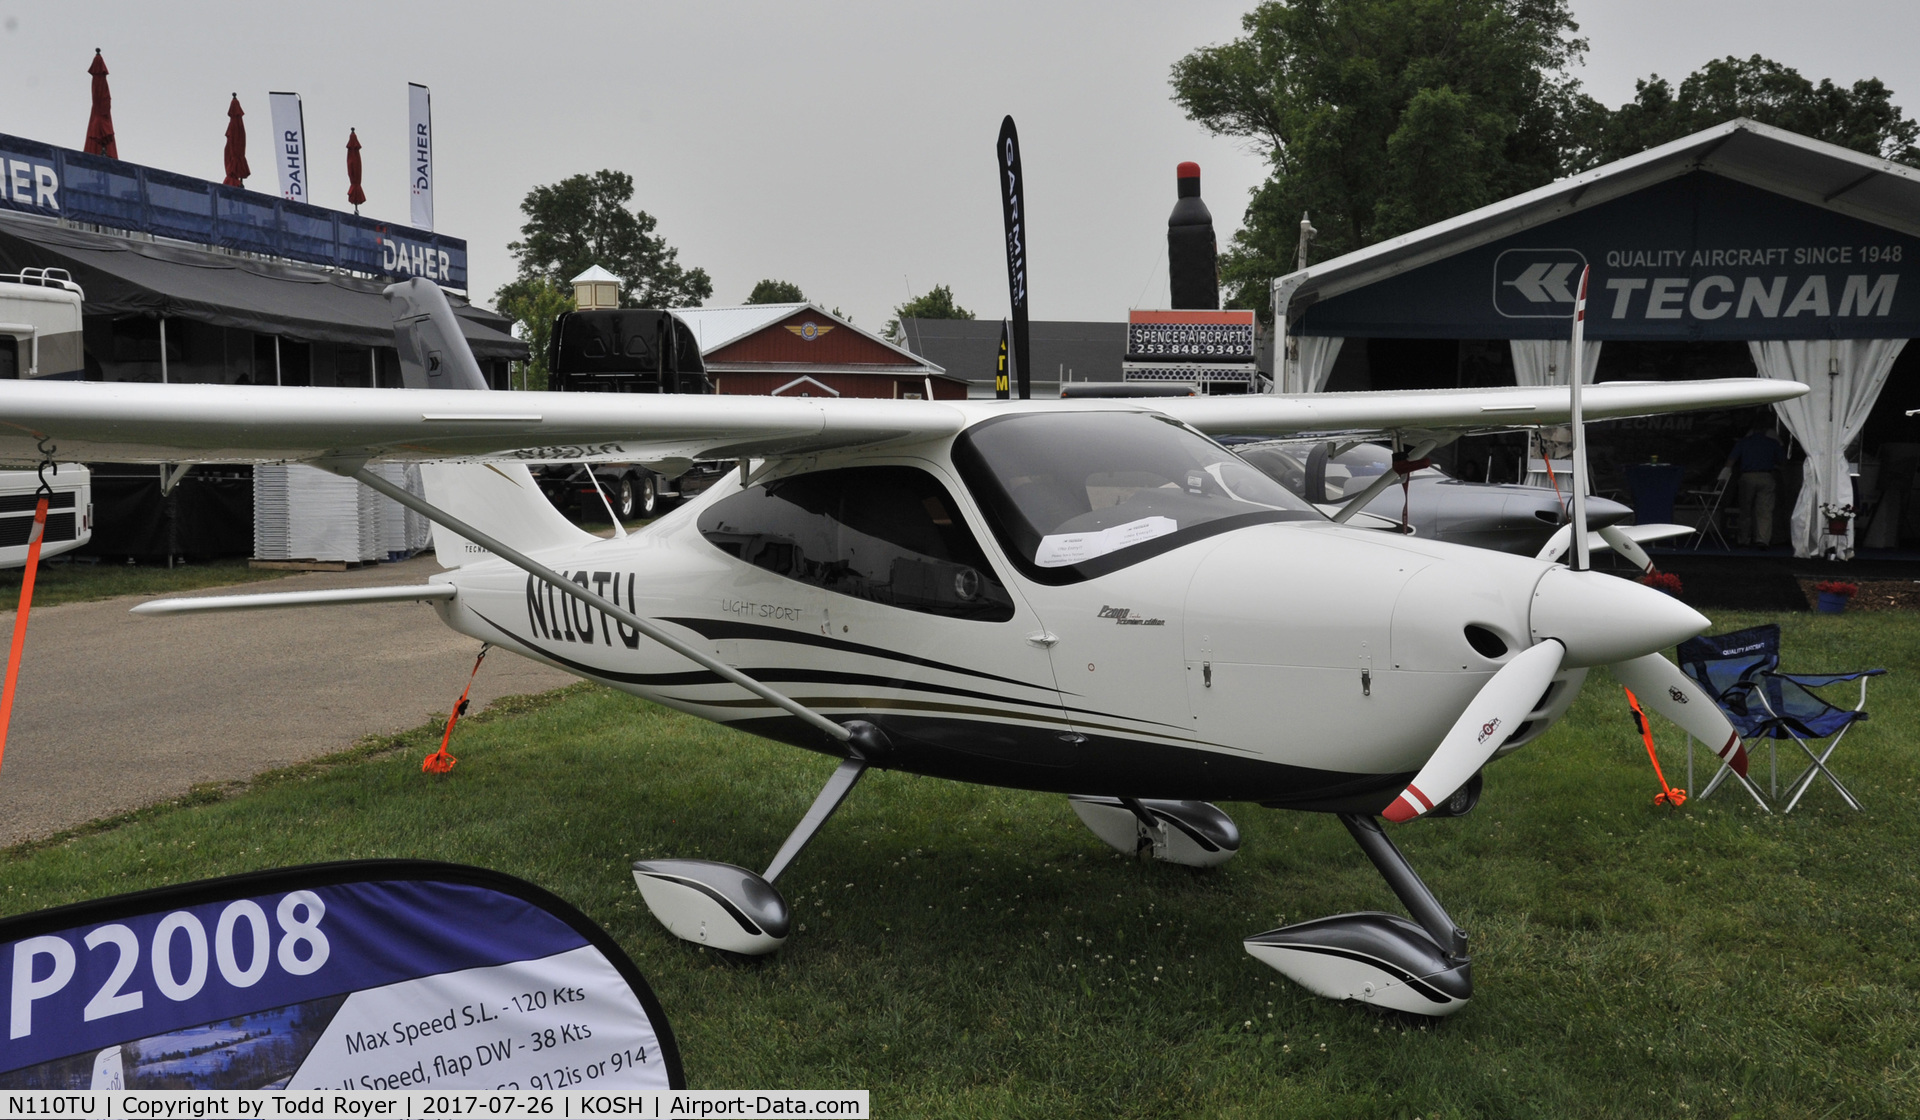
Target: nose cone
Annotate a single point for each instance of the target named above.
(1602, 619)
(1602, 513)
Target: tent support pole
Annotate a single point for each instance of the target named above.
(276, 361)
(163, 372)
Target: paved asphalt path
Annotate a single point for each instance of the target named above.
(115, 711)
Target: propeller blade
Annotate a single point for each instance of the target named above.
(1556, 545)
(1626, 546)
(1581, 483)
(1496, 710)
(1663, 688)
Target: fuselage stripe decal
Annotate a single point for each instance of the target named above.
(723, 628)
(1055, 716)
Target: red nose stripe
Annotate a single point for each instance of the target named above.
(1401, 810)
(1425, 801)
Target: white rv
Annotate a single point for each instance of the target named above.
(40, 339)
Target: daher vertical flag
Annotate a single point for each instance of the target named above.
(290, 146)
(420, 153)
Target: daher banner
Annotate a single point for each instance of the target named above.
(371, 974)
(1696, 257)
(53, 182)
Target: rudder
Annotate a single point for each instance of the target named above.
(500, 499)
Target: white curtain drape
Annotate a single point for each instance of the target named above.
(1846, 376)
(1544, 361)
(1317, 355)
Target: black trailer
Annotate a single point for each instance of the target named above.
(623, 351)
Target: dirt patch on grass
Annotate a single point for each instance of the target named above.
(1875, 594)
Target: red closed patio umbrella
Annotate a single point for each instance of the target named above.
(354, 194)
(237, 169)
(100, 123)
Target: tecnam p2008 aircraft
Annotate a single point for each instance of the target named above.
(1089, 598)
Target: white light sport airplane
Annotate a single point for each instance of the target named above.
(1089, 598)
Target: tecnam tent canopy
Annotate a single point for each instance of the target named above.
(1806, 251)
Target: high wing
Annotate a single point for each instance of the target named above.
(140, 423)
(1465, 410)
(133, 423)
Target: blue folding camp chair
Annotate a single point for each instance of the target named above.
(1798, 713)
(1727, 667)
(1741, 672)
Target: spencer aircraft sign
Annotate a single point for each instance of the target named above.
(1697, 257)
(53, 182)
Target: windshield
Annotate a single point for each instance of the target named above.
(1073, 495)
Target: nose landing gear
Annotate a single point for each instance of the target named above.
(1418, 966)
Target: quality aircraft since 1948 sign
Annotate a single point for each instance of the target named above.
(1697, 257)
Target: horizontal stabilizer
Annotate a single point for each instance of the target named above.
(273, 599)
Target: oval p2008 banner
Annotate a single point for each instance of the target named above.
(370, 974)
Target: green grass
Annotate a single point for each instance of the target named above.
(64, 581)
(971, 952)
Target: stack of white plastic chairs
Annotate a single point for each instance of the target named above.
(305, 513)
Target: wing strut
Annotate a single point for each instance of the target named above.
(600, 603)
(1387, 478)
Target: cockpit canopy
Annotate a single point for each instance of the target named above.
(1075, 495)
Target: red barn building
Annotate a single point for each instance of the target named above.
(803, 350)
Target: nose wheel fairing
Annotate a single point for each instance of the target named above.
(1418, 966)
(1381, 959)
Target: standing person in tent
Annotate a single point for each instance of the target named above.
(1755, 460)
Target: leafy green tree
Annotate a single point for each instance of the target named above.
(583, 221)
(935, 304)
(1862, 117)
(1381, 116)
(776, 291)
(533, 304)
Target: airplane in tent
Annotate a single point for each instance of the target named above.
(1090, 598)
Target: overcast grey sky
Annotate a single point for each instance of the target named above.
(844, 147)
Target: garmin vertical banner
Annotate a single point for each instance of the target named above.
(1013, 205)
(1000, 373)
(290, 146)
(373, 974)
(420, 153)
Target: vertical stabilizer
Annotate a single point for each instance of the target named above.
(433, 351)
(498, 498)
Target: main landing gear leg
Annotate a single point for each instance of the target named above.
(1419, 966)
(729, 907)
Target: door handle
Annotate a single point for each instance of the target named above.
(1042, 639)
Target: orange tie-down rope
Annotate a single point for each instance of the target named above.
(440, 761)
(1667, 795)
(35, 536)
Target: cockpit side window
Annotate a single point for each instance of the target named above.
(889, 535)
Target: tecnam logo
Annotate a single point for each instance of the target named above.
(1536, 283)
